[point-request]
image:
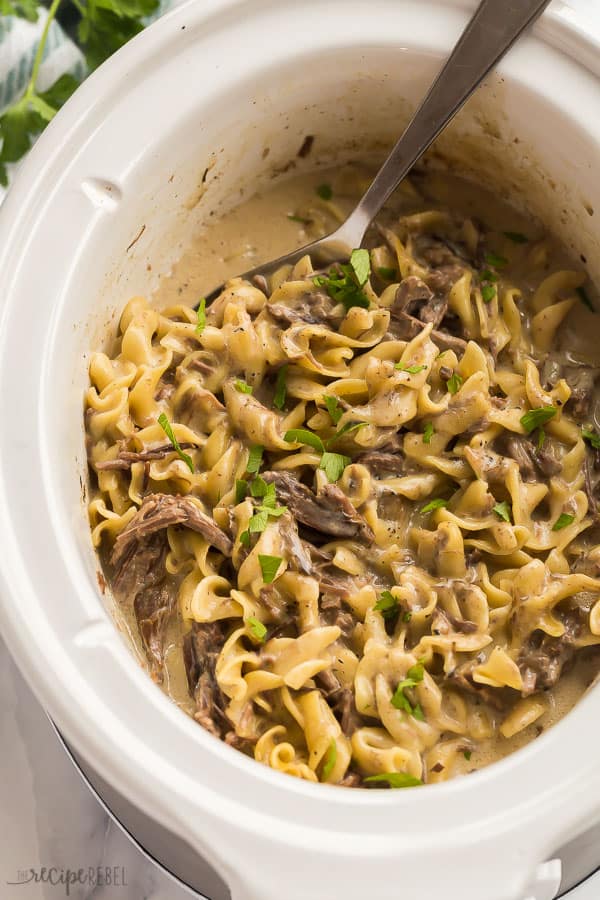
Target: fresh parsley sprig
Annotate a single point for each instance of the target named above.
(333, 464)
(345, 283)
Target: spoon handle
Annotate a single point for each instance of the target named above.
(495, 26)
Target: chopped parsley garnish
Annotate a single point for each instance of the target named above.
(349, 426)
(333, 464)
(592, 437)
(280, 388)
(300, 219)
(503, 510)
(255, 459)
(407, 616)
(260, 488)
(467, 754)
(395, 779)
(495, 260)
(414, 676)
(563, 520)
(488, 275)
(387, 605)
(454, 382)
(535, 418)
(428, 432)
(434, 504)
(333, 408)
(488, 292)
(330, 760)
(242, 387)
(412, 370)
(386, 273)
(516, 237)
(201, 316)
(269, 567)
(304, 436)
(241, 490)
(257, 628)
(257, 523)
(345, 284)
(584, 297)
(166, 427)
(324, 191)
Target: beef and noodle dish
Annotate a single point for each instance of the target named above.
(350, 515)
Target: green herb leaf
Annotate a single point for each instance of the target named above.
(166, 427)
(495, 260)
(259, 486)
(24, 9)
(201, 316)
(342, 287)
(541, 438)
(299, 219)
(467, 754)
(324, 191)
(406, 617)
(592, 437)
(245, 538)
(257, 628)
(395, 779)
(258, 522)
(241, 490)
(454, 382)
(361, 264)
(414, 676)
(333, 408)
(304, 436)
(412, 370)
(516, 237)
(255, 459)
(434, 504)
(349, 426)
(428, 432)
(333, 464)
(242, 387)
(387, 274)
(535, 418)
(281, 387)
(488, 275)
(269, 566)
(330, 761)
(503, 510)
(387, 605)
(584, 297)
(563, 520)
(488, 292)
(275, 511)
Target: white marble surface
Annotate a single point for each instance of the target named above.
(48, 817)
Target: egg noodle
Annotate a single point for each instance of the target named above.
(359, 500)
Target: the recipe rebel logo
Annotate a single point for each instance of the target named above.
(93, 876)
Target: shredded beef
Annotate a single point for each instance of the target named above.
(201, 648)
(126, 458)
(380, 463)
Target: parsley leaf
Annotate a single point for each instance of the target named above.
(412, 370)
(495, 260)
(333, 464)
(259, 487)
(201, 316)
(454, 382)
(280, 387)
(386, 273)
(345, 284)
(257, 628)
(434, 504)
(563, 520)
(241, 490)
(333, 408)
(324, 191)
(24, 9)
(467, 754)
(330, 761)
(407, 616)
(592, 436)
(304, 436)
(299, 219)
(488, 275)
(255, 459)
(584, 297)
(387, 605)
(414, 676)
(258, 522)
(349, 426)
(541, 438)
(269, 566)
(488, 292)
(395, 779)
(242, 387)
(516, 237)
(503, 510)
(535, 418)
(428, 432)
(166, 427)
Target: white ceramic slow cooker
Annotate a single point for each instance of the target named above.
(103, 204)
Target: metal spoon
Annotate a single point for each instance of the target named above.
(492, 31)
